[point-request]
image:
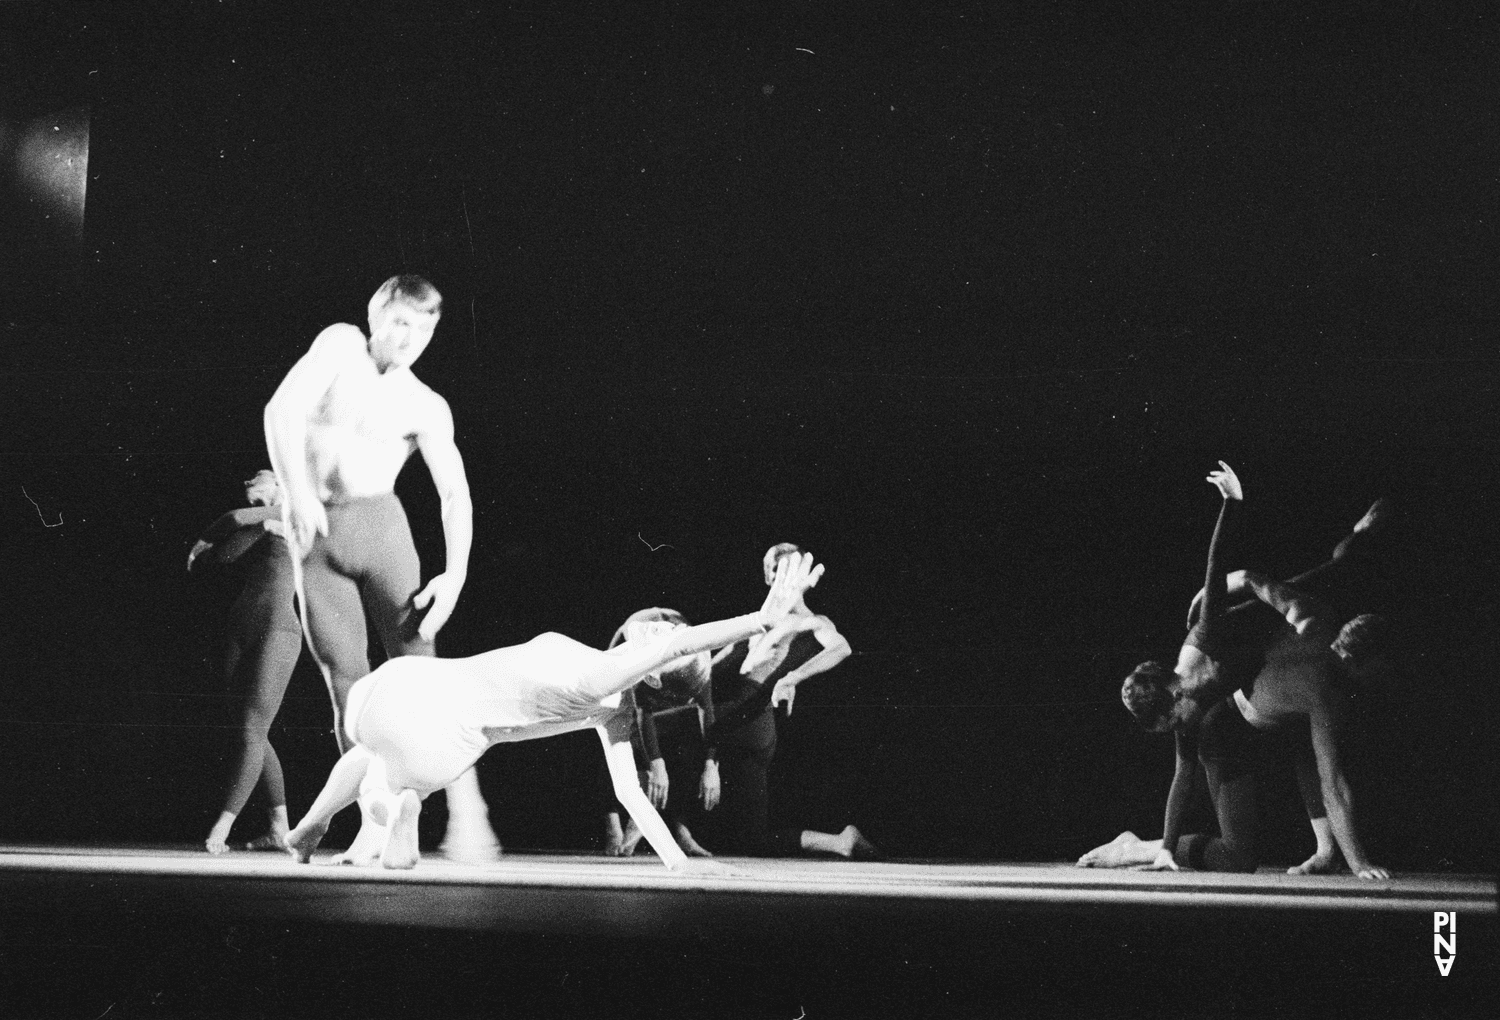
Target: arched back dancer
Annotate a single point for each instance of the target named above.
(418, 722)
(1240, 672)
(339, 429)
(261, 648)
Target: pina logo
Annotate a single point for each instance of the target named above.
(1444, 947)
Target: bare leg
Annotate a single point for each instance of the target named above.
(401, 851)
(1124, 851)
(341, 790)
(469, 838)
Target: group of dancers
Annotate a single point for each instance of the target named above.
(683, 712)
(326, 541)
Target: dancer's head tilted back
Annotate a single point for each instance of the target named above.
(688, 674)
(403, 315)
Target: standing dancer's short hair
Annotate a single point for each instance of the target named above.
(406, 289)
(774, 555)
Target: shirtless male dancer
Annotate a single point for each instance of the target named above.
(1280, 673)
(417, 722)
(339, 429)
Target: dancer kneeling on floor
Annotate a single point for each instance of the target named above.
(750, 679)
(418, 722)
(1238, 673)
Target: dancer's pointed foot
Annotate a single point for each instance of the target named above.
(853, 845)
(272, 840)
(304, 839)
(861, 849)
(401, 851)
(1317, 864)
(1123, 851)
(685, 840)
(365, 850)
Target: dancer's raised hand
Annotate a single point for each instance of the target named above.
(795, 573)
(1226, 482)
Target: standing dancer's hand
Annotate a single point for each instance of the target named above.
(708, 787)
(654, 782)
(442, 592)
(1226, 482)
(794, 575)
(307, 518)
(784, 693)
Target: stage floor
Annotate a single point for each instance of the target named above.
(155, 931)
(638, 896)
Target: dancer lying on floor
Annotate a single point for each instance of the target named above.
(418, 722)
(1277, 671)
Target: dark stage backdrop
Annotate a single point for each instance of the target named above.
(967, 303)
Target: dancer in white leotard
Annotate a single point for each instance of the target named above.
(417, 722)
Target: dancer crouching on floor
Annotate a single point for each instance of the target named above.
(417, 722)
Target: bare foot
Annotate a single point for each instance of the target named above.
(470, 849)
(1123, 851)
(304, 839)
(401, 851)
(470, 841)
(854, 845)
(1317, 864)
(272, 840)
(614, 836)
(632, 838)
(685, 840)
(365, 850)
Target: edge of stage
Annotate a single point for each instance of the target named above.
(155, 931)
(595, 895)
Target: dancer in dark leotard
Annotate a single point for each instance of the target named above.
(264, 640)
(1272, 664)
(749, 679)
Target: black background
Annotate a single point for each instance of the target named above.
(966, 303)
